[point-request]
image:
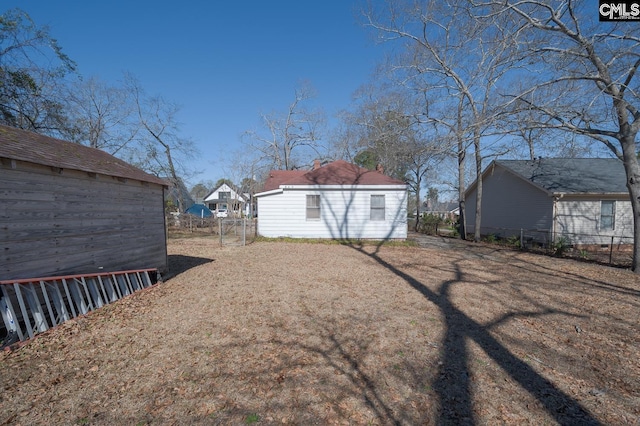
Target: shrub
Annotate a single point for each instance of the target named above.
(560, 246)
(491, 238)
(514, 241)
(429, 223)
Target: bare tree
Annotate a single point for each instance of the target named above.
(453, 55)
(103, 116)
(385, 128)
(422, 157)
(32, 71)
(160, 147)
(379, 130)
(587, 83)
(291, 138)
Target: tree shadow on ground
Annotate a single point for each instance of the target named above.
(331, 368)
(453, 384)
(179, 264)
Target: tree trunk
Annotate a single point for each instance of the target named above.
(632, 169)
(417, 205)
(478, 157)
(461, 198)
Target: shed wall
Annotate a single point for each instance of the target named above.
(343, 214)
(59, 222)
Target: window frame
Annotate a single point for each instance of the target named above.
(611, 216)
(310, 207)
(377, 213)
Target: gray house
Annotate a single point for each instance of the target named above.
(584, 200)
(68, 209)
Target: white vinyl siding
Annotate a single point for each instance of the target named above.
(345, 213)
(579, 219)
(313, 207)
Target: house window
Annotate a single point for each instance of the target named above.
(607, 215)
(224, 195)
(313, 207)
(377, 207)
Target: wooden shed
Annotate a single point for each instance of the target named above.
(70, 209)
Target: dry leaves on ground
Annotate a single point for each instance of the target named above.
(298, 333)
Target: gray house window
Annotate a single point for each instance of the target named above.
(607, 215)
(377, 207)
(313, 207)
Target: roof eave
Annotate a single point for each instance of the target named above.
(351, 186)
(271, 192)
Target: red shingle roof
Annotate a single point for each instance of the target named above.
(336, 173)
(18, 144)
(278, 177)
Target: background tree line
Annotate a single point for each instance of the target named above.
(41, 90)
(463, 82)
(466, 81)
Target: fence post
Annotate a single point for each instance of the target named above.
(521, 239)
(611, 252)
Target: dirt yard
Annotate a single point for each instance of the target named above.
(299, 333)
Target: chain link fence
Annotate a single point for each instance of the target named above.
(611, 250)
(229, 231)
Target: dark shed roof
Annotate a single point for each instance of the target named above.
(572, 175)
(18, 144)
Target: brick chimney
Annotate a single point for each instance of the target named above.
(316, 164)
(380, 169)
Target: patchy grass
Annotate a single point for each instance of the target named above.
(346, 242)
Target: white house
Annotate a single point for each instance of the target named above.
(338, 201)
(584, 200)
(226, 198)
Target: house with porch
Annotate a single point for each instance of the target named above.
(227, 198)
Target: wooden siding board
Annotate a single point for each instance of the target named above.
(74, 223)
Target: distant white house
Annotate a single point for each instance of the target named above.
(338, 201)
(583, 200)
(227, 198)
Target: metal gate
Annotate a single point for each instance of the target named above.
(236, 232)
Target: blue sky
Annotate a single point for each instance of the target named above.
(224, 63)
